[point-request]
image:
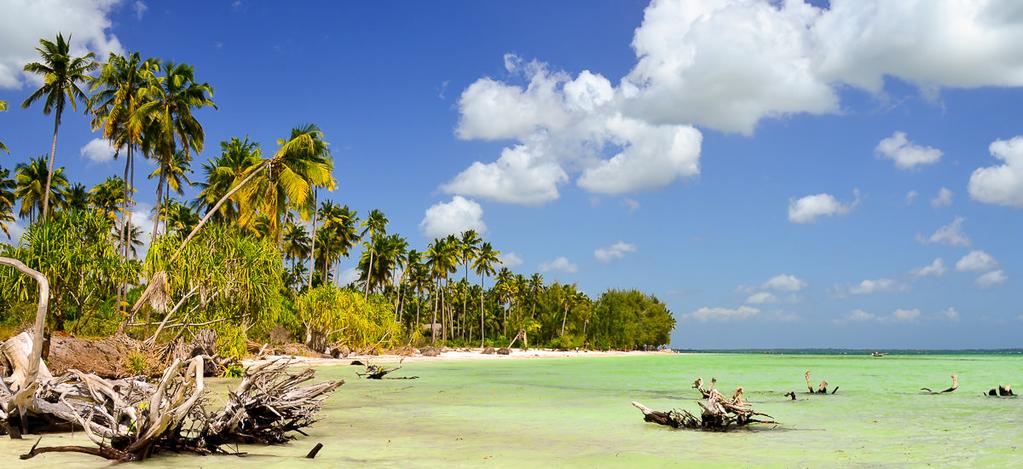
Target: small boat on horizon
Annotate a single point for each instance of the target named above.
(878, 354)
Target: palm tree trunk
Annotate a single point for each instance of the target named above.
(483, 331)
(433, 331)
(156, 220)
(369, 272)
(563, 318)
(312, 250)
(53, 155)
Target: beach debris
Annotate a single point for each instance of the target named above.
(822, 388)
(504, 351)
(313, 452)
(131, 419)
(430, 352)
(1003, 390)
(955, 385)
(718, 413)
(705, 392)
(791, 394)
(489, 351)
(379, 372)
(520, 335)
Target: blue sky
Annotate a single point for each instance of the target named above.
(776, 103)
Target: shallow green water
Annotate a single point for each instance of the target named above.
(576, 413)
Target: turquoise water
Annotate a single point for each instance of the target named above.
(575, 412)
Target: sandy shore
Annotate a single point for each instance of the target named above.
(453, 355)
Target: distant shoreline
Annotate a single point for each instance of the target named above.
(865, 351)
(474, 354)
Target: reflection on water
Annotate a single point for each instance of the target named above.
(576, 413)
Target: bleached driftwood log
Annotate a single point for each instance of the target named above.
(717, 413)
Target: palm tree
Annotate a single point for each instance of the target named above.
(174, 176)
(469, 246)
(119, 92)
(7, 198)
(76, 198)
(224, 172)
(3, 148)
(287, 180)
(107, 197)
(420, 279)
(569, 298)
(483, 265)
(344, 232)
(178, 217)
(172, 98)
(374, 225)
(296, 242)
(32, 179)
(442, 259)
(61, 72)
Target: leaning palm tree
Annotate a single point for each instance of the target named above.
(32, 179)
(171, 99)
(3, 107)
(61, 73)
(7, 198)
(374, 225)
(286, 181)
(483, 265)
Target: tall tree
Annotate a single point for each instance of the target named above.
(108, 197)
(174, 176)
(61, 73)
(295, 242)
(469, 246)
(373, 226)
(7, 198)
(483, 265)
(32, 179)
(76, 197)
(119, 92)
(172, 98)
(442, 257)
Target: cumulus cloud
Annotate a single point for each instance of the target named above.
(906, 154)
(522, 175)
(98, 150)
(976, 261)
(510, 259)
(784, 282)
(24, 22)
(809, 208)
(990, 279)
(632, 204)
(943, 199)
(722, 314)
(760, 298)
(859, 315)
(615, 251)
(454, 217)
(951, 234)
(1002, 184)
(950, 314)
(871, 286)
(935, 269)
(899, 315)
(906, 314)
(559, 264)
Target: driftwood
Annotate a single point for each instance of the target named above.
(131, 419)
(822, 388)
(717, 413)
(379, 372)
(955, 385)
(1003, 390)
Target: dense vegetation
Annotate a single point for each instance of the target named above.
(261, 259)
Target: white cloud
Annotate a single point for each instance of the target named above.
(951, 234)
(1002, 184)
(990, 279)
(906, 154)
(510, 259)
(785, 282)
(560, 264)
(906, 314)
(760, 298)
(722, 314)
(632, 204)
(977, 261)
(23, 23)
(869, 287)
(860, 315)
(142, 218)
(140, 8)
(911, 197)
(614, 251)
(98, 150)
(935, 269)
(807, 209)
(348, 276)
(454, 217)
(943, 199)
(519, 176)
(950, 314)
